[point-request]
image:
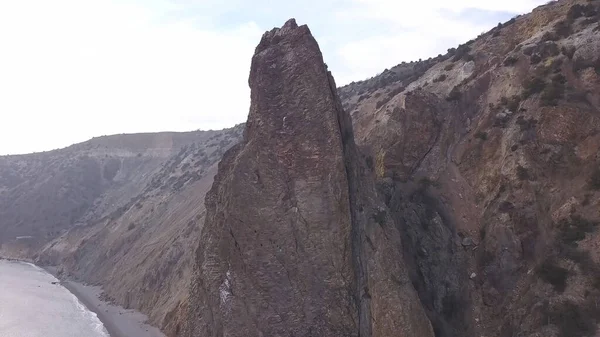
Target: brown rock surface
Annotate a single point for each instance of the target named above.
(294, 241)
(489, 180)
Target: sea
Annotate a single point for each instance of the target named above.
(31, 306)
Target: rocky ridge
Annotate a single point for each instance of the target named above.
(295, 240)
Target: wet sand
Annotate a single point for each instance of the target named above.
(119, 322)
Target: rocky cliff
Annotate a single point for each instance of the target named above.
(295, 241)
(489, 163)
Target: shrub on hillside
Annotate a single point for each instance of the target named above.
(522, 173)
(511, 103)
(535, 58)
(574, 229)
(562, 29)
(510, 61)
(533, 86)
(461, 52)
(481, 135)
(568, 51)
(573, 319)
(454, 94)
(553, 92)
(440, 78)
(594, 181)
(552, 273)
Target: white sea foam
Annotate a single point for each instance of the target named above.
(40, 309)
(91, 316)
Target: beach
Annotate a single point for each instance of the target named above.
(118, 321)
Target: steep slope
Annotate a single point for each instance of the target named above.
(489, 162)
(295, 241)
(42, 195)
(141, 253)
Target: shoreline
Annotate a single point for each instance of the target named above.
(118, 321)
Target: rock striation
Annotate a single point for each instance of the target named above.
(295, 241)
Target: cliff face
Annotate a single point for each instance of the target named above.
(295, 241)
(489, 163)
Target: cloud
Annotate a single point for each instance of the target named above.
(72, 69)
(409, 30)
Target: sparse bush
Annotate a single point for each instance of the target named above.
(535, 58)
(396, 91)
(511, 103)
(522, 173)
(533, 86)
(573, 319)
(461, 52)
(131, 226)
(526, 124)
(449, 67)
(574, 229)
(369, 161)
(594, 181)
(379, 216)
(581, 257)
(469, 58)
(552, 273)
(510, 61)
(568, 51)
(554, 92)
(574, 12)
(562, 29)
(550, 36)
(454, 94)
(481, 135)
(505, 207)
(440, 78)
(379, 104)
(586, 199)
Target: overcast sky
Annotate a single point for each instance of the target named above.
(74, 69)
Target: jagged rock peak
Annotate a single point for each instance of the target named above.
(290, 28)
(283, 249)
(286, 68)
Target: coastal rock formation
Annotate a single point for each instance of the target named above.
(295, 241)
(485, 162)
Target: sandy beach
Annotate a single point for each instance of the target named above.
(118, 321)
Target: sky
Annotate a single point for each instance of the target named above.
(71, 70)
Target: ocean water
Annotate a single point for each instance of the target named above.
(31, 306)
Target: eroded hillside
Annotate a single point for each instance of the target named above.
(43, 195)
(489, 160)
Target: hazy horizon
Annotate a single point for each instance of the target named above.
(73, 71)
